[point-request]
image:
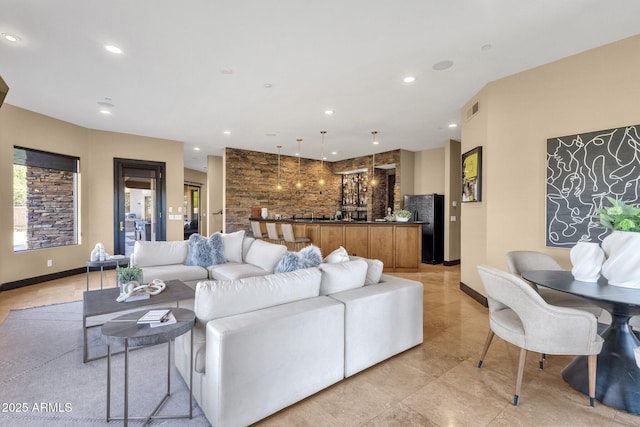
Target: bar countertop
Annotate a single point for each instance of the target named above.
(333, 221)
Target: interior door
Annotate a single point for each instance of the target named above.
(139, 203)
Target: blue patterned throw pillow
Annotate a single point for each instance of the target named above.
(307, 257)
(205, 251)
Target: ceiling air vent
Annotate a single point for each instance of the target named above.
(473, 110)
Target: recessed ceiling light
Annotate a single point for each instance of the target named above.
(196, 148)
(443, 65)
(328, 112)
(113, 49)
(105, 112)
(453, 125)
(10, 37)
(334, 153)
(375, 143)
(409, 79)
(227, 132)
(267, 85)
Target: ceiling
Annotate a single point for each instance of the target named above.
(267, 70)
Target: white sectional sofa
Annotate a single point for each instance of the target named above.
(245, 256)
(264, 341)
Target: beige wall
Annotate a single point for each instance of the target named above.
(594, 90)
(452, 196)
(96, 150)
(215, 191)
(429, 171)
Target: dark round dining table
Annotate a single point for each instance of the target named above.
(617, 375)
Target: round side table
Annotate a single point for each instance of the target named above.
(125, 330)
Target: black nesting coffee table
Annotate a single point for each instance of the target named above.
(103, 301)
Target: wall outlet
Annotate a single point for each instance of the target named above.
(453, 218)
(49, 263)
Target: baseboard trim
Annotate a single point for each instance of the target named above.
(474, 294)
(452, 262)
(35, 280)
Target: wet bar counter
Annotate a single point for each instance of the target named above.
(397, 244)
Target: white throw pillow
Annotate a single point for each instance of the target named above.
(339, 255)
(374, 270)
(265, 255)
(341, 276)
(232, 243)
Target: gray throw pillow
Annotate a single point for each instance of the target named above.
(307, 257)
(204, 251)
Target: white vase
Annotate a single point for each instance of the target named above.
(264, 213)
(622, 266)
(587, 259)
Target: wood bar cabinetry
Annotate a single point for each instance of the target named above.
(397, 245)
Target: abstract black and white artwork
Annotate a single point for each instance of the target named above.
(582, 170)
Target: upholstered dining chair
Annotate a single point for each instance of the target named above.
(256, 230)
(521, 261)
(293, 242)
(519, 315)
(272, 232)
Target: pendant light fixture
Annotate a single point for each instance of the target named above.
(321, 181)
(279, 186)
(299, 182)
(373, 181)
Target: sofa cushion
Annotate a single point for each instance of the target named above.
(374, 270)
(220, 298)
(205, 251)
(232, 243)
(339, 255)
(234, 270)
(159, 253)
(180, 272)
(341, 276)
(307, 257)
(246, 244)
(265, 255)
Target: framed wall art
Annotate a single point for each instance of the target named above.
(472, 175)
(582, 171)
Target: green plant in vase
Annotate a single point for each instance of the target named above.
(620, 216)
(127, 275)
(622, 246)
(402, 215)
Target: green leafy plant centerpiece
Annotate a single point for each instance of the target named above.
(620, 216)
(127, 275)
(622, 246)
(402, 215)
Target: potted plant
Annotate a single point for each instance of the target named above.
(622, 246)
(402, 215)
(127, 275)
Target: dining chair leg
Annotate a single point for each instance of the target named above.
(543, 358)
(487, 343)
(592, 364)
(523, 357)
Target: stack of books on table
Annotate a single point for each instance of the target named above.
(158, 317)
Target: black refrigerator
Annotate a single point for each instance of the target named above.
(429, 209)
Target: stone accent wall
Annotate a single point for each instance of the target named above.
(50, 205)
(252, 178)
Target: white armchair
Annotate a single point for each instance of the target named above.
(520, 316)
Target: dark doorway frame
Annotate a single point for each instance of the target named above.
(119, 166)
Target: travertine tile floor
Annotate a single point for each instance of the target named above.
(434, 384)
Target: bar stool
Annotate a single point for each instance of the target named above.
(272, 231)
(293, 242)
(255, 229)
